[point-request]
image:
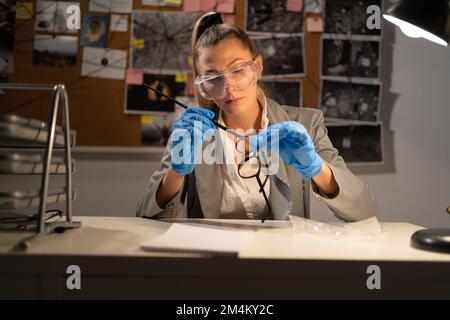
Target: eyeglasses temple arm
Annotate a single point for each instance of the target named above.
(269, 211)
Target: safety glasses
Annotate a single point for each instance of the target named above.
(238, 77)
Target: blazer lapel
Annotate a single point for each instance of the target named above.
(280, 197)
(276, 114)
(209, 180)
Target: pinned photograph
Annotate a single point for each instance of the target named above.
(350, 101)
(94, 32)
(139, 99)
(358, 144)
(100, 5)
(104, 63)
(284, 92)
(45, 16)
(119, 23)
(161, 41)
(273, 16)
(314, 6)
(351, 59)
(350, 17)
(59, 51)
(283, 55)
(51, 16)
(7, 23)
(119, 6)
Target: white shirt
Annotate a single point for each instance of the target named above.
(241, 198)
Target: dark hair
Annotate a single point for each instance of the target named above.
(208, 31)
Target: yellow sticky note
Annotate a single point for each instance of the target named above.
(173, 2)
(138, 43)
(190, 60)
(146, 119)
(181, 77)
(24, 10)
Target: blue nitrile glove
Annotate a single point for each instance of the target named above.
(295, 145)
(194, 122)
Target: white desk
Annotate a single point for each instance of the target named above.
(279, 263)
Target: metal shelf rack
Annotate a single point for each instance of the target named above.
(18, 134)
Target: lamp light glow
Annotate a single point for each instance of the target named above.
(413, 31)
(422, 19)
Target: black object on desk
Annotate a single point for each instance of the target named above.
(202, 252)
(437, 239)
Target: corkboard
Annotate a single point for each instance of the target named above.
(96, 105)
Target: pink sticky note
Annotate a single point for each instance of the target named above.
(228, 18)
(208, 5)
(135, 76)
(191, 6)
(225, 6)
(294, 5)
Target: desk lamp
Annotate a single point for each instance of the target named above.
(422, 19)
(430, 20)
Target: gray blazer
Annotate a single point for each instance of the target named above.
(289, 192)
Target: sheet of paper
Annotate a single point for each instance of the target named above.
(104, 63)
(231, 223)
(314, 6)
(229, 18)
(100, 5)
(188, 237)
(153, 2)
(121, 6)
(208, 5)
(225, 6)
(294, 5)
(119, 22)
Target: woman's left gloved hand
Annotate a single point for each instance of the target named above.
(295, 146)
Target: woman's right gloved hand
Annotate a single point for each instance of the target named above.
(187, 138)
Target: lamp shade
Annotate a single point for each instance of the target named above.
(421, 19)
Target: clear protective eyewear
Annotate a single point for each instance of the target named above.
(239, 77)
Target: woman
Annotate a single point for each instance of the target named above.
(226, 68)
